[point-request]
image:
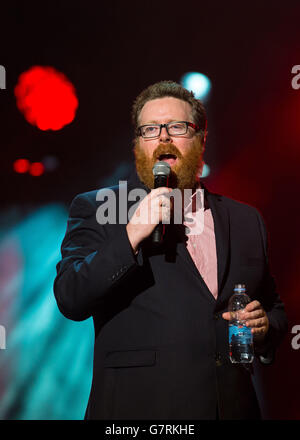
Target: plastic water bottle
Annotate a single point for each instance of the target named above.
(240, 336)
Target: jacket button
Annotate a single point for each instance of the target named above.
(218, 359)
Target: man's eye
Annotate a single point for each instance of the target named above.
(150, 130)
(177, 126)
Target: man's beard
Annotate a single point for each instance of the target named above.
(184, 174)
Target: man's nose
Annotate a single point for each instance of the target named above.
(164, 136)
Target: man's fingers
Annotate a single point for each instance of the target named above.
(256, 322)
(252, 310)
(163, 190)
(260, 331)
(253, 305)
(227, 315)
(255, 317)
(258, 313)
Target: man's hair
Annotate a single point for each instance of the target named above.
(172, 89)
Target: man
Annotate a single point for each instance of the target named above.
(160, 312)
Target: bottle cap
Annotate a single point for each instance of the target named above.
(240, 288)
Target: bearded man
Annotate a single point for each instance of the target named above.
(160, 312)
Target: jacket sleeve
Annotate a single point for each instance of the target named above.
(273, 306)
(92, 263)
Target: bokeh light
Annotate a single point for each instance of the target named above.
(206, 171)
(21, 166)
(36, 169)
(46, 98)
(40, 341)
(198, 83)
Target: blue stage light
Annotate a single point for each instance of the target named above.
(206, 171)
(198, 83)
(47, 361)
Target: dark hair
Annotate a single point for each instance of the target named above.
(164, 89)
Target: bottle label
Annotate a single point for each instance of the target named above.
(240, 334)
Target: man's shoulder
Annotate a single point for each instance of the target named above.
(235, 205)
(93, 197)
(122, 189)
(238, 204)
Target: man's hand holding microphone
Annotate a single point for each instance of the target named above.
(155, 208)
(153, 211)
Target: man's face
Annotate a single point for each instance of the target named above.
(183, 153)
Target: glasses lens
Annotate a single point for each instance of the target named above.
(177, 128)
(150, 131)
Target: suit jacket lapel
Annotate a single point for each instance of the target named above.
(222, 231)
(222, 235)
(186, 257)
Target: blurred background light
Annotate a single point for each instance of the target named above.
(47, 164)
(36, 169)
(198, 83)
(50, 163)
(40, 341)
(46, 98)
(21, 166)
(205, 171)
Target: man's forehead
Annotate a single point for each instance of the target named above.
(167, 107)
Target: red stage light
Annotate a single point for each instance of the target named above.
(46, 98)
(21, 166)
(36, 169)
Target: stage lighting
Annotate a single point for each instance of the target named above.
(198, 83)
(206, 171)
(36, 169)
(21, 166)
(50, 163)
(46, 98)
(40, 341)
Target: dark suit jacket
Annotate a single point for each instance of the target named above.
(161, 344)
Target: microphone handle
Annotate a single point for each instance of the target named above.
(160, 180)
(158, 232)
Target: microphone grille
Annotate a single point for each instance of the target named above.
(161, 168)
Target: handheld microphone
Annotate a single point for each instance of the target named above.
(161, 172)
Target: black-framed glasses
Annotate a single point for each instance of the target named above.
(176, 128)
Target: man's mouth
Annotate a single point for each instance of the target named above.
(170, 158)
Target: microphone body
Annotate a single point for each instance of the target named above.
(161, 172)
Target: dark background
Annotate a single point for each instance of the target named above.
(111, 51)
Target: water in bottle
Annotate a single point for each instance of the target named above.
(240, 336)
